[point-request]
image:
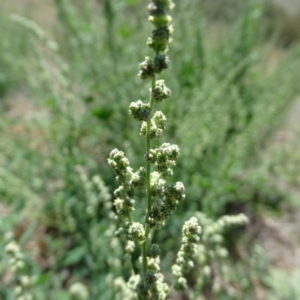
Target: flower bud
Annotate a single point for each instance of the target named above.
(160, 92)
(146, 68)
(79, 291)
(160, 62)
(175, 192)
(140, 111)
(138, 178)
(153, 251)
(136, 232)
(151, 156)
(160, 20)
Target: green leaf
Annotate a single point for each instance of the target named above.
(74, 256)
(43, 278)
(103, 113)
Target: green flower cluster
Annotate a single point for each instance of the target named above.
(78, 291)
(149, 67)
(162, 197)
(168, 197)
(128, 180)
(157, 125)
(161, 35)
(165, 197)
(211, 253)
(18, 267)
(152, 286)
(184, 262)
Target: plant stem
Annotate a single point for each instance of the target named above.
(148, 183)
(144, 254)
(148, 166)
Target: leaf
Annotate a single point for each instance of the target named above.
(103, 113)
(74, 256)
(42, 279)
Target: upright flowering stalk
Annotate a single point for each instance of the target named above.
(161, 199)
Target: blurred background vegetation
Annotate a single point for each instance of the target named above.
(67, 75)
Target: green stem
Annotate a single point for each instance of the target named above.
(148, 167)
(148, 185)
(144, 255)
